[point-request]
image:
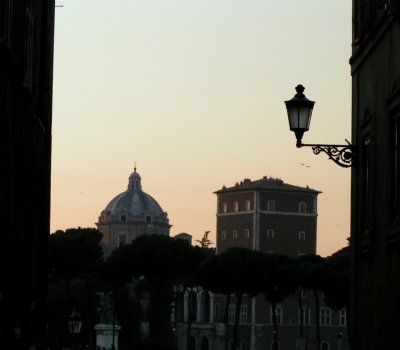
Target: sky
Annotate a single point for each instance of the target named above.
(193, 92)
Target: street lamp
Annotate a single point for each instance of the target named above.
(74, 325)
(299, 110)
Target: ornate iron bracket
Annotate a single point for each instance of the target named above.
(343, 155)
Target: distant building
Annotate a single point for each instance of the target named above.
(267, 215)
(129, 215)
(271, 216)
(26, 85)
(375, 190)
(185, 236)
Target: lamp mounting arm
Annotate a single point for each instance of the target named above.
(343, 155)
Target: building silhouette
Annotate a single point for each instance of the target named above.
(26, 79)
(375, 194)
(273, 217)
(131, 214)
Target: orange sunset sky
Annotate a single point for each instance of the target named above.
(193, 92)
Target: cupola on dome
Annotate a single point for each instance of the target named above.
(134, 202)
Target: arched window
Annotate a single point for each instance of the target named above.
(243, 314)
(192, 343)
(205, 303)
(324, 345)
(192, 306)
(179, 306)
(243, 345)
(325, 316)
(216, 312)
(204, 344)
(275, 346)
(231, 313)
(279, 314)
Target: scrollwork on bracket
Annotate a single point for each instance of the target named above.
(343, 155)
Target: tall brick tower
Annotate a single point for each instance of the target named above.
(267, 215)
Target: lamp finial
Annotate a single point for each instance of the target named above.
(300, 89)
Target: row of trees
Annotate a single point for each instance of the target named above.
(152, 265)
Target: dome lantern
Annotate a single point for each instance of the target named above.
(135, 181)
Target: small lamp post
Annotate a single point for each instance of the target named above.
(74, 325)
(299, 110)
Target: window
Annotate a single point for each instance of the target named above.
(235, 206)
(302, 236)
(246, 233)
(302, 207)
(342, 318)
(231, 314)
(306, 316)
(325, 346)
(224, 207)
(279, 314)
(122, 239)
(248, 205)
(192, 306)
(122, 218)
(276, 346)
(205, 344)
(234, 234)
(325, 316)
(192, 342)
(223, 235)
(270, 234)
(148, 218)
(270, 205)
(216, 312)
(243, 345)
(243, 314)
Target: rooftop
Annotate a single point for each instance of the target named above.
(266, 183)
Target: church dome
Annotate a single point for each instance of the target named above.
(131, 214)
(135, 203)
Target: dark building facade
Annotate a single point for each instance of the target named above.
(375, 226)
(26, 66)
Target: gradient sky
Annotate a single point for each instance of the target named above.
(193, 92)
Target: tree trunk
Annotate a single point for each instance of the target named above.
(190, 316)
(228, 300)
(188, 332)
(67, 289)
(91, 310)
(317, 325)
(189, 323)
(236, 324)
(301, 330)
(274, 320)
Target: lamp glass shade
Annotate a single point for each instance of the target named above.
(299, 110)
(299, 117)
(74, 322)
